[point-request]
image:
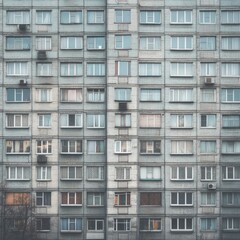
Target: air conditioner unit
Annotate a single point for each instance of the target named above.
(42, 159)
(209, 80)
(22, 82)
(122, 106)
(211, 186)
(23, 27)
(42, 55)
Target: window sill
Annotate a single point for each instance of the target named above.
(24, 50)
(71, 231)
(154, 76)
(71, 205)
(119, 127)
(72, 127)
(44, 180)
(208, 206)
(17, 153)
(95, 128)
(188, 102)
(69, 153)
(150, 23)
(231, 230)
(182, 128)
(180, 50)
(16, 102)
(182, 180)
(95, 206)
(43, 231)
(231, 127)
(95, 153)
(238, 153)
(96, 180)
(150, 231)
(231, 206)
(21, 180)
(43, 154)
(150, 180)
(122, 180)
(230, 180)
(150, 100)
(181, 205)
(67, 179)
(181, 76)
(71, 49)
(181, 231)
(122, 206)
(17, 127)
(122, 153)
(44, 127)
(181, 154)
(153, 154)
(176, 23)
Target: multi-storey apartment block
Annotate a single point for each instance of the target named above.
(120, 119)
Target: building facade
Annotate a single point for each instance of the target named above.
(120, 118)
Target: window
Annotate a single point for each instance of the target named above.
(150, 17)
(71, 94)
(18, 43)
(150, 173)
(230, 95)
(95, 43)
(43, 17)
(71, 17)
(18, 17)
(230, 147)
(208, 198)
(181, 147)
(208, 95)
(123, 173)
(231, 198)
(71, 69)
(15, 224)
(208, 224)
(123, 41)
(182, 43)
(17, 68)
(95, 147)
(150, 69)
(150, 43)
(71, 224)
(150, 95)
(43, 199)
(95, 17)
(230, 17)
(44, 173)
(123, 94)
(68, 43)
(181, 120)
(95, 199)
(123, 120)
(122, 16)
(95, 95)
(71, 146)
(95, 173)
(231, 43)
(150, 147)
(208, 120)
(70, 173)
(231, 224)
(208, 173)
(122, 224)
(150, 224)
(17, 198)
(208, 69)
(43, 43)
(17, 121)
(95, 69)
(17, 146)
(122, 68)
(44, 146)
(18, 173)
(207, 43)
(231, 121)
(181, 70)
(181, 16)
(231, 172)
(95, 224)
(207, 147)
(207, 17)
(43, 224)
(181, 199)
(230, 69)
(18, 94)
(122, 147)
(69, 120)
(44, 120)
(122, 198)
(44, 95)
(150, 120)
(181, 173)
(150, 198)
(95, 121)
(44, 69)
(71, 198)
(181, 95)
(181, 224)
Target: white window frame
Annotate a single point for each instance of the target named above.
(207, 17)
(208, 224)
(123, 120)
(230, 95)
(122, 147)
(187, 172)
(150, 95)
(18, 173)
(150, 43)
(122, 16)
(77, 172)
(150, 173)
(18, 17)
(123, 94)
(44, 43)
(230, 17)
(231, 224)
(123, 173)
(72, 224)
(44, 69)
(96, 18)
(126, 222)
(231, 173)
(231, 121)
(184, 19)
(208, 69)
(71, 42)
(95, 95)
(208, 173)
(97, 199)
(98, 225)
(44, 17)
(98, 146)
(44, 95)
(18, 43)
(73, 146)
(96, 69)
(207, 43)
(231, 199)
(18, 146)
(178, 229)
(95, 173)
(122, 199)
(208, 120)
(230, 69)
(17, 120)
(44, 147)
(181, 147)
(208, 199)
(185, 196)
(182, 43)
(150, 147)
(17, 68)
(150, 120)
(181, 121)
(67, 119)
(230, 147)
(150, 17)
(44, 173)
(181, 69)
(70, 196)
(44, 197)
(208, 147)
(73, 17)
(44, 120)
(208, 95)
(123, 68)
(151, 224)
(230, 43)
(96, 42)
(123, 41)
(19, 95)
(71, 69)
(69, 95)
(95, 121)
(150, 69)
